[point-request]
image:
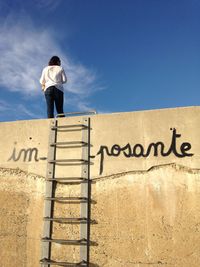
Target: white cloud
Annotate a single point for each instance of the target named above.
(25, 51)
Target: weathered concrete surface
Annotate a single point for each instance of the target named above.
(148, 218)
(146, 202)
(21, 205)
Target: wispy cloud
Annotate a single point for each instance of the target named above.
(4, 106)
(16, 111)
(21, 109)
(25, 50)
(50, 4)
(81, 104)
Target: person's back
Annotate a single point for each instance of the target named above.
(53, 76)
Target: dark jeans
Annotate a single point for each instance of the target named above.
(54, 95)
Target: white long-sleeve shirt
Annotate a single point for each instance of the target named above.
(53, 76)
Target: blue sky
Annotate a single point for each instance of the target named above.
(119, 55)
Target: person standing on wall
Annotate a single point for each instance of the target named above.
(52, 79)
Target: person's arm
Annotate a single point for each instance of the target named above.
(64, 77)
(42, 80)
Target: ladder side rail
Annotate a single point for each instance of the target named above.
(84, 228)
(48, 210)
(88, 195)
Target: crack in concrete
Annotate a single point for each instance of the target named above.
(150, 263)
(19, 171)
(159, 262)
(173, 165)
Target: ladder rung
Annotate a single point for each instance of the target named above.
(66, 198)
(62, 263)
(83, 126)
(81, 220)
(70, 220)
(69, 143)
(80, 161)
(68, 180)
(65, 241)
(79, 113)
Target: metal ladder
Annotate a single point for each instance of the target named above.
(83, 199)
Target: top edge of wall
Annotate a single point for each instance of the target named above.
(110, 114)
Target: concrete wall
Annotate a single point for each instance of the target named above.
(146, 190)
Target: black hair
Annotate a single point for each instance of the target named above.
(54, 61)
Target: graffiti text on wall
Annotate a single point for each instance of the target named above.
(28, 154)
(154, 149)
